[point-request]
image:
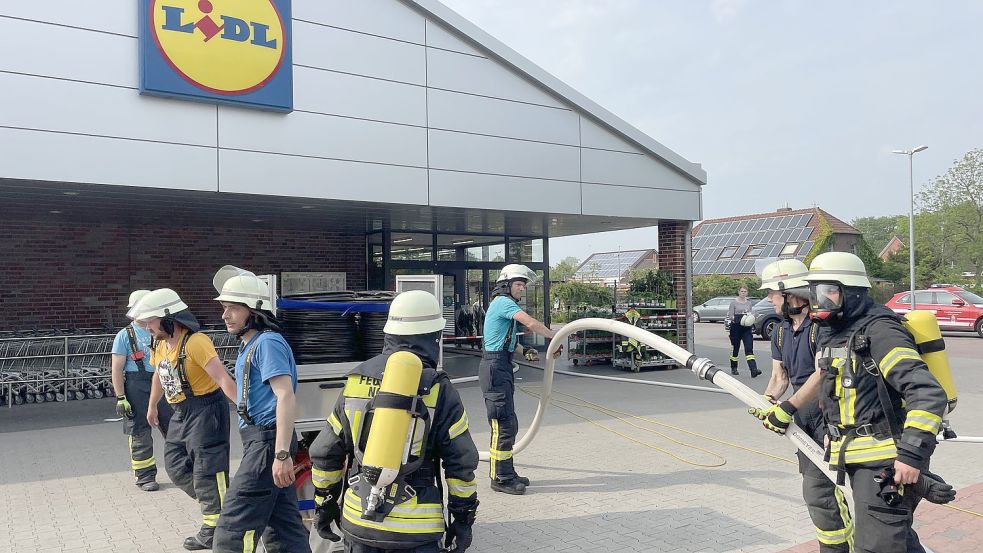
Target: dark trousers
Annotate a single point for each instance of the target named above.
(880, 528)
(745, 334)
(197, 452)
(255, 506)
(355, 547)
(498, 387)
(136, 386)
(826, 503)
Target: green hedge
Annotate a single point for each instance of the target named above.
(711, 286)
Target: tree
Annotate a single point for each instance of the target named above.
(878, 231)
(706, 287)
(954, 202)
(576, 294)
(564, 269)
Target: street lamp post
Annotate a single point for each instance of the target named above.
(911, 217)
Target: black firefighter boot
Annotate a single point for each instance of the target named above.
(512, 486)
(201, 540)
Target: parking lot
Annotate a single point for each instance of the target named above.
(640, 468)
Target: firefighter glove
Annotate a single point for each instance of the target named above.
(531, 354)
(457, 538)
(779, 417)
(328, 510)
(123, 407)
(762, 414)
(933, 488)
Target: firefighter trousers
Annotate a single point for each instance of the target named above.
(826, 503)
(255, 507)
(742, 335)
(196, 455)
(136, 386)
(355, 547)
(498, 387)
(880, 527)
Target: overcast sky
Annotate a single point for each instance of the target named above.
(787, 101)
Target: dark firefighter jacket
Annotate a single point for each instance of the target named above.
(420, 519)
(861, 433)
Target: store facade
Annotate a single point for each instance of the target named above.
(373, 138)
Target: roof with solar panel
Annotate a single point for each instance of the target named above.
(612, 266)
(730, 246)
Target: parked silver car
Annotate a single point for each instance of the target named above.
(714, 309)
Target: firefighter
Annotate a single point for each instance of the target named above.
(192, 379)
(793, 352)
(740, 329)
(495, 372)
(132, 373)
(882, 406)
(416, 524)
(261, 501)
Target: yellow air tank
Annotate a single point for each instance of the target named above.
(389, 435)
(925, 328)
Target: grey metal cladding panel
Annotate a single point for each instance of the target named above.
(456, 189)
(604, 167)
(272, 174)
(324, 136)
(502, 156)
(49, 156)
(438, 37)
(28, 47)
(621, 201)
(482, 76)
(358, 54)
(278, 175)
(388, 18)
(352, 96)
(477, 114)
(593, 135)
(69, 106)
(114, 16)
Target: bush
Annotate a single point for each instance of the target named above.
(711, 286)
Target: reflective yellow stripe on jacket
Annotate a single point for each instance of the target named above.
(459, 427)
(406, 518)
(863, 449)
(923, 420)
(895, 356)
(324, 478)
(461, 488)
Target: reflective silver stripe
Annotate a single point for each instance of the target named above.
(780, 278)
(834, 272)
(243, 295)
(416, 319)
(461, 488)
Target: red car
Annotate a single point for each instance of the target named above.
(955, 308)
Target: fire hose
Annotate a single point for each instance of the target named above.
(701, 367)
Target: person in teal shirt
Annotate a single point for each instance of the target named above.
(495, 372)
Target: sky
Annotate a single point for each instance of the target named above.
(782, 102)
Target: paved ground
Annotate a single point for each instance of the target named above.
(599, 485)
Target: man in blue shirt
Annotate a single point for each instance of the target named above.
(495, 372)
(793, 353)
(132, 374)
(261, 500)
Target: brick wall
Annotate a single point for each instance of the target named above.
(63, 274)
(672, 257)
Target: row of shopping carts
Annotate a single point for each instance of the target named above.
(46, 366)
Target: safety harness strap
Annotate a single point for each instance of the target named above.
(182, 375)
(243, 407)
(135, 354)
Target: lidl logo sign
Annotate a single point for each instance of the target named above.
(232, 51)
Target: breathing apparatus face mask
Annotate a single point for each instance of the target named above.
(826, 302)
(787, 309)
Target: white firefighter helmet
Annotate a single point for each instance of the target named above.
(748, 319)
(136, 296)
(514, 270)
(784, 274)
(842, 267)
(414, 312)
(159, 303)
(237, 285)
